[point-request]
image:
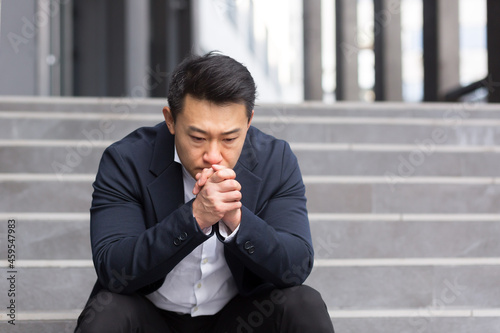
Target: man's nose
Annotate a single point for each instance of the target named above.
(212, 155)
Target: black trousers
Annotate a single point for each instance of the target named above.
(296, 309)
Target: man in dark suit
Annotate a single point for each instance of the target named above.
(199, 224)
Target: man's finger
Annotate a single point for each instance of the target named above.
(218, 167)
(232, 196)
(222, 175)
(201, 179)
(229, 185)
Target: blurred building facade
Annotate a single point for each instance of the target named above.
(128, 48)
(326, 50)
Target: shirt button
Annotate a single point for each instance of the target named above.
(195, 309)
(198, 285)
(204, 261)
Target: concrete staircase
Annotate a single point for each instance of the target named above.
(404, 204)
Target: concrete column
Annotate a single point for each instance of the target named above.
(137, 46)
(67, 49)
(346, 50)
(43, 48)
(55, 56)
(313, 68)
(0, 17)
(18, 54)
(388, 53)
(441, 48)
(171, 37)
(493, 82)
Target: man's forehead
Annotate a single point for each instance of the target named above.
(192, 128)
(206, 108)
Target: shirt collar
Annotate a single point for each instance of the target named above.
(176, 156)
(186, 175)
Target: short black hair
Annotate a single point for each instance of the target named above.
(213, 77)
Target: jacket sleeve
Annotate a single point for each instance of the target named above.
(128, 256)
(275, 244)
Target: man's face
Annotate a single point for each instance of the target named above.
(207, 133)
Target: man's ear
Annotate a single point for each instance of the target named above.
(250, 119)
(169, 120)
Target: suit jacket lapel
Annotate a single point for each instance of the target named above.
(250, 183)
(167, 190)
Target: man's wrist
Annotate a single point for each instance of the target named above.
(226, 233)
(198, 218)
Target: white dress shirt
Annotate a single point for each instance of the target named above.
(200, 284)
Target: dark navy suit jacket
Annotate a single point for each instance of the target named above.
(141, 227)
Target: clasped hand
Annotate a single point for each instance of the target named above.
(217, 197)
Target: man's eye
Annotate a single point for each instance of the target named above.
(196, 138)
(229, 140)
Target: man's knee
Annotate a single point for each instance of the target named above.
(301, 296)
(110, 312)
(303, 307)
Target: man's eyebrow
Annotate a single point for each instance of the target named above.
(199, 130)
(236, 130)
(196, 129)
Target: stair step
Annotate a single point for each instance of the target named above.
(385, 197)
(368, 239)
(56, 239)
(125, 106)
(51, 289)
(348, 288)
(53, 240)
(93, 127)
(433, 195)
(421, 320)
(417, 320)
(415, 323)
(50, 239)
(339, 160)
(40, 326)
(295, 128)
(405, 164)
(403, 287)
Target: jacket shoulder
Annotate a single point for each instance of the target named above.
(267, 146)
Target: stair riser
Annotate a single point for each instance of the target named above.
(50, 240)
(63, 240)
(347, 325)
(85, 157)
(59, 196)
(407, 287)
(51, 289)
(289, 128)
(392, 197)
(48, 326)
(349, 288)
(339, 109)
(419, 324)
(354, 239)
